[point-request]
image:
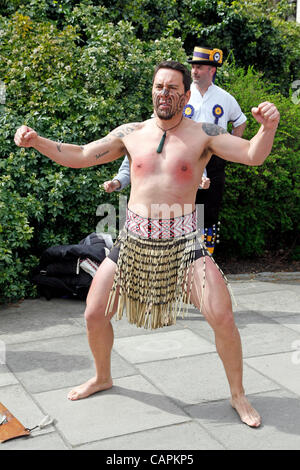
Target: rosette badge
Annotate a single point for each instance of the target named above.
(218, 112)
(188, 111)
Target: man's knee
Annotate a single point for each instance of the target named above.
(95, 317)
(222, 321)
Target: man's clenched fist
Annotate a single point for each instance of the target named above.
(25, 137)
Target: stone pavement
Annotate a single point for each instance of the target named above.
(170, 390)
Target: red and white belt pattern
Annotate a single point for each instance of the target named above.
(161, 228)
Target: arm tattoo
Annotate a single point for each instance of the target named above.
(119, 132)
(99, 155)
(213, 129)
(58, 146)
(104, 140)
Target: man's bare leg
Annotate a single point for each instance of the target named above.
(99, 331)
(217, 310)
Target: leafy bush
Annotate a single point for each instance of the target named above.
(69, 92)
(73, 70)
(261, 207)
(256, 32)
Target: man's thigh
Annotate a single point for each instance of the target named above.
(101, 286)
(216, 298)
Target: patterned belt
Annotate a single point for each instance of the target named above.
(161, 228)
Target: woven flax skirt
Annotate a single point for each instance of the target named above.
(155, 269)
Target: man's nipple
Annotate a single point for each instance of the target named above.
(183, 173)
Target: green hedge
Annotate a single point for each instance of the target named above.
(75, 70)
(67, 92)
(261, 206)
(257, 31)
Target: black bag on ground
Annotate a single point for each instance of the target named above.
(67, 270)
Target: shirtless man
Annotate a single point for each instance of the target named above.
(165, 171)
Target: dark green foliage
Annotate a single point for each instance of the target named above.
(261, 206)
(73, 70)
(69, 92)
(256, 32)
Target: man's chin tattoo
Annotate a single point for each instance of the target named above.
(163, 117)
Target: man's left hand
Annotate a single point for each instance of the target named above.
(205, 183)
(267, 115)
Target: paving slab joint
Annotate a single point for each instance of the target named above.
(264, 276)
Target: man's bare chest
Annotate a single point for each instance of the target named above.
(179, 157)
(179, 168)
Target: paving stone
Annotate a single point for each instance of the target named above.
(147, 348)
(278, 301)
(2, 352)
(24, 408)
(36, 319)
(261, 335)
(278, 277)
(291, 321)
(51, 441)
(132, 405)
(183, 436)
(70, 307)
(57, 363)
(196, 323)
(280, 429)
(47, 353)
(255, 287)
(282, 368)
(195, 379)
(122, 328)
(6, 377)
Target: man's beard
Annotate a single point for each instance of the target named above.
(201, 82)
(197, 81)
(165, 115)
(175, 107)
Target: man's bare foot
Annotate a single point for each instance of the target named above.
(245, 411)
(88, 388)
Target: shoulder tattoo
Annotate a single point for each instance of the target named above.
(213, 129)
(119, 132)
(125, 129)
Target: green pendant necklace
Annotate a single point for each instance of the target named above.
(162, 140)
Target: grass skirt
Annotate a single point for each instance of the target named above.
(155, 277)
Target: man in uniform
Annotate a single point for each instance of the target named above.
(210, 103)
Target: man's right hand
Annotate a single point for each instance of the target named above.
(25, 137)
(205, 183)
(111, 186)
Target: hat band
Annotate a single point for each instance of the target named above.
(201, 54)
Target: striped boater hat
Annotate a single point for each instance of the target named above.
(205, 55)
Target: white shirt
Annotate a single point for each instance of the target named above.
(216, 106)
